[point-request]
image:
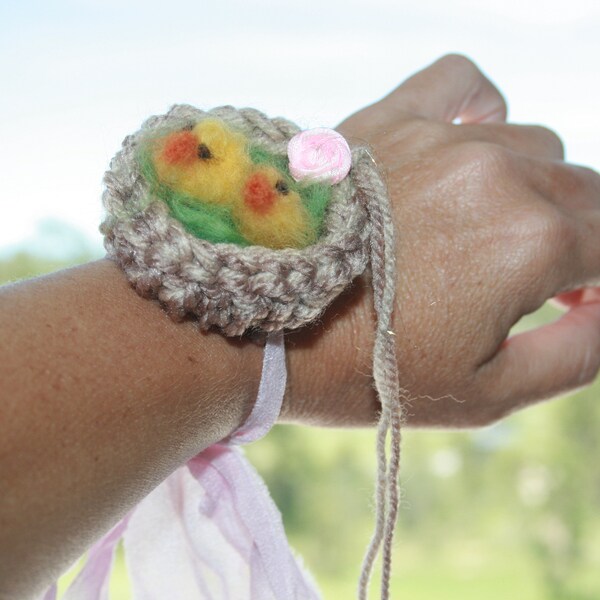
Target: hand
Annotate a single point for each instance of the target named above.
(490, 224)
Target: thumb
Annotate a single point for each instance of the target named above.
(547, 361)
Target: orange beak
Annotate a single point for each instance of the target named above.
(180, 148)
(259, 194)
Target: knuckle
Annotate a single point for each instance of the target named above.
(483, 160)
(551, 139)
(551, 230)
(545, 241)
(571, 186)
(588, 178)
(587, 172)
(543, 232)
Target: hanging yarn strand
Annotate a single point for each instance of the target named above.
(385, 361)
(376, 262)
(380, 506)
(385, 373)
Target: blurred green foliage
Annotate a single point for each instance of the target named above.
(506, 511)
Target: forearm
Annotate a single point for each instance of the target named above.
(101, 397)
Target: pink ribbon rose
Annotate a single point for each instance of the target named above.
(319, 155)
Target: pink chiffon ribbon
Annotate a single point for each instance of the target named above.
(210, 530)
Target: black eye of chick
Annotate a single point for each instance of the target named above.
(204, 152)
(282, 187)
(188, 127)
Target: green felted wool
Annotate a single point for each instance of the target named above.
(211, 223)
(214, 223)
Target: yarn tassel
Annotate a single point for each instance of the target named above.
(92, 582)
(385, 373)
(212, 531)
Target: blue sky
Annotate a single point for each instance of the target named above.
(77, 76)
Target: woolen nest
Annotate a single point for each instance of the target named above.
(226, 286)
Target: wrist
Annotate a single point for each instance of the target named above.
(330, 379)
(207, 383)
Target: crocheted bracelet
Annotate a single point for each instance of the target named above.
(253, 227)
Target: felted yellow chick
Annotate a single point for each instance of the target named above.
(270, 213)
(209, 162)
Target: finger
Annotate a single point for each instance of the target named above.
(571, 187)
(530, 140)
(565, 234)
(451, 88)
(545, 362)
(576, 297)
